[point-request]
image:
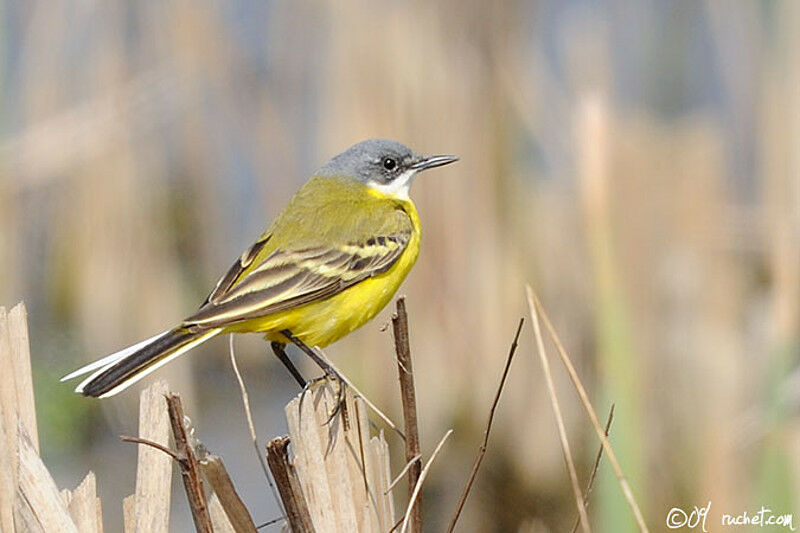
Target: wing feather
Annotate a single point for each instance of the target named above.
(290, 278)
(235, 271)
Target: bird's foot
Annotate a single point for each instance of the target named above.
(339, 385)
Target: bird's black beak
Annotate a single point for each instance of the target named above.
(432, 161)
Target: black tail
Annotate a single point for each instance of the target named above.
(129, 366)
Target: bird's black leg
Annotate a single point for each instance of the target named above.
(279, 349)
(328, 369)
(309, 352)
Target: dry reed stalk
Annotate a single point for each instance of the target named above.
(29, 498)
(406, 376)
(190, 467)
(403, 472)
(249, 416)
(482, 450)
(83, 506)
(418, 487)
(562, 431)
(99, 510)
(234, 514)
(39, 506)
(592, 476)
(154, 468)
(225, 497)
(8, 430)
(379, 476)
(17, 407)
(225, 493)
(533, 301)
(21, 370)
(8, 457)
(129, 514)
(336, 464)
(219, 518)
(285, 476)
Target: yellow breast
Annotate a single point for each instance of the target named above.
(326, 321)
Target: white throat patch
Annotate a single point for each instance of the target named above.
(398, 187)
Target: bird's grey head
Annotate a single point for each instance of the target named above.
(382, 164)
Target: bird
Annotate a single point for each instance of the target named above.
(325, 266)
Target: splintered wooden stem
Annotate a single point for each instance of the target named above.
(406, 373)
(154, 468)
(190, 467)
(217, 476)
(210, 466)
(288, 485)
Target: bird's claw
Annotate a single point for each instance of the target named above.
(334, 377)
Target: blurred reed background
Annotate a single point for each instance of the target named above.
(639, 165)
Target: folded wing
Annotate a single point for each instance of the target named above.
(291, 278)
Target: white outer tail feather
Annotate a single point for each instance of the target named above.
(107, 361)
(101, 365)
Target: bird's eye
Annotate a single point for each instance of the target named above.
(389, 163)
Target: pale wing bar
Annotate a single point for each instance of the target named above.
(290, 278)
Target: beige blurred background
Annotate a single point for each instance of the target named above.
(638, 163)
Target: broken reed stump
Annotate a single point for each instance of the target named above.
(190, 467)
(218, 509)
(338, 478)
(289, 489)
(153, 467)
(29, 498)
(405, 372)
(30, 501)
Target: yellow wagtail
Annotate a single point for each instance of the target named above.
(330, 261)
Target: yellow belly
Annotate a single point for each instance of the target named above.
(324, 322)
